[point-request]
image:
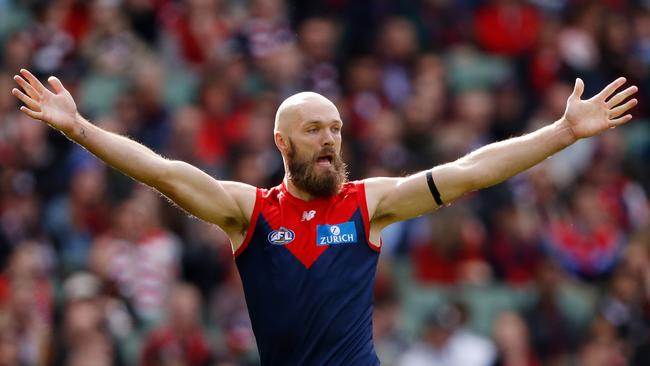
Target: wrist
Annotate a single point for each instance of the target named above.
(565, 132)
(77, 129)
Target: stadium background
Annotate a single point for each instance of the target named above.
(551, 267)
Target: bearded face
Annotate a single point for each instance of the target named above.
(320, 175)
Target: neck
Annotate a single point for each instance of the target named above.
(295, 191)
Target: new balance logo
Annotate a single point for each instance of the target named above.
(308, 215)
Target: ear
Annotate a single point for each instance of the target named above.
(280, 141)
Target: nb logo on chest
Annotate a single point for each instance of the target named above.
(343, 233)
(308, 215)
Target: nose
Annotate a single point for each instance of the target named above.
(328, 138)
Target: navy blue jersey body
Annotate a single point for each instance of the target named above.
(308, 270)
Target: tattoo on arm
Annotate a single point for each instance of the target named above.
(83, 132)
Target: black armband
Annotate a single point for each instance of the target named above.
(433, 188)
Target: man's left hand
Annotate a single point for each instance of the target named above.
(605, 110)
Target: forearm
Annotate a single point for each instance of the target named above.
(121, 153)
(226, 204)
(394, 199)
(499, 161)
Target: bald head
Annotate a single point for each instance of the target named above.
(302, 107)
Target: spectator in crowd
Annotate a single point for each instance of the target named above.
(85, 335)
(317, 38)
(553, 331)
(28, 303)
(512, 341)
(180, 340)
(445, 341)
(390, 340)
(514, 251)
(144, 256)
(75, 218)
(453, 250)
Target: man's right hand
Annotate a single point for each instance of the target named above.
(57, 108)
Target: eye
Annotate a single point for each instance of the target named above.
(312, 130)
(336, 129)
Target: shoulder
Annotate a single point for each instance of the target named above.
(378, 186)
(369, 184)
(374, 189)
(380, 182)
(352, 187)
(267, 198)
(271, 195)
(353, 190)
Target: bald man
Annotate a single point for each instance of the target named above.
(307, 249)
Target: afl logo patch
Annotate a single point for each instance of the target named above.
(281, 236)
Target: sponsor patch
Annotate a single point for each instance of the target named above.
(342, 233)
(281, 236)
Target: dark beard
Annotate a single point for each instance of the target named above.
(303, 175)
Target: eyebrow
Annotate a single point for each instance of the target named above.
(319, 122)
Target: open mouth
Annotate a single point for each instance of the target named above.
(325, 160)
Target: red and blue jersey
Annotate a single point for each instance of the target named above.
(308, 270)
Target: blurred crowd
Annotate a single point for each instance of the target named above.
(551, 267)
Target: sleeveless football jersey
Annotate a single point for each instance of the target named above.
(308, 270)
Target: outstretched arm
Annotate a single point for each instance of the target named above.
(227, 204)
(394, 199)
